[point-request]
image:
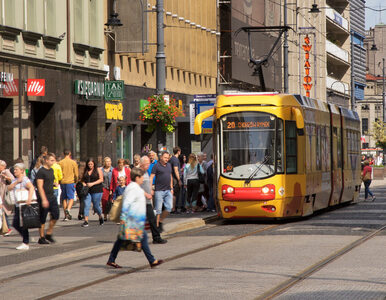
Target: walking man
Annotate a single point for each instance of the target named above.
(46, 199)
(67, 184)
(144, 163)
(163, 194)
(175, 163)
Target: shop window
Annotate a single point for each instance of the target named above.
(124, 142)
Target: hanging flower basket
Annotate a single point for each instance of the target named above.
(157, 113)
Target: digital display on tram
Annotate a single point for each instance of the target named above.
(265, 122)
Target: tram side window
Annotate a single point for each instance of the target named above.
(291, 149)
(280, 150)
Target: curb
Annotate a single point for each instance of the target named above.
(185, 225)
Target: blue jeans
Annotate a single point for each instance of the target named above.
(211, 199)
(367, 189)
(16, 224)
(144, 245)
(165, 198)
(96, 202)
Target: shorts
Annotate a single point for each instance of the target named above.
(164, 198)
(53, 209)
(68, 191)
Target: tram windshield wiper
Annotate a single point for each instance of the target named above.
(258, 168)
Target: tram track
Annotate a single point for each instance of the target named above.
(306, 273)
(137, 269)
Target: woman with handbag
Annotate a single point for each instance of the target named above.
(107, 171)
(192, 182)
(132, 234)
(92, 178)
(6, 178)
(21, 182)
(366, 177)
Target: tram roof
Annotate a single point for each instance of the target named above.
(269, 99)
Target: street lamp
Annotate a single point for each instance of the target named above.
(113, 20)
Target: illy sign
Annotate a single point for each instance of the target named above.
(36, 87)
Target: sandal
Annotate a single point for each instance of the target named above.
(156, 263)
(113, 264)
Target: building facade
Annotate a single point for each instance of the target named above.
(47, 48)
(191, 38)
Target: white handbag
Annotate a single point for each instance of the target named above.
(21, 195)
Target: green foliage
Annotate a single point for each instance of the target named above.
(157, 113)
(379, 134)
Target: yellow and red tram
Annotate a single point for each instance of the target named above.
(280, 156)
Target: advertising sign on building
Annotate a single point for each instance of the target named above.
(114, 90)
(36, 87)
(114, 111)
(90, 89)
(11, 88)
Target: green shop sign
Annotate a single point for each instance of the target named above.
(90, 89)
(114, 90)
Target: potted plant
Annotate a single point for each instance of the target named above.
(160, 112)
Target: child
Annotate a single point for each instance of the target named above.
(120, 188)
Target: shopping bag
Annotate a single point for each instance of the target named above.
(4, 225)
(9, 197)
(116, 208)
(30, 215)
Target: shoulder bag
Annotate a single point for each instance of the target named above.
(116, 208)
(9, 197)
(367, 177)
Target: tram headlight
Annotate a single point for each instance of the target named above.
(265, 190)
(226, 189)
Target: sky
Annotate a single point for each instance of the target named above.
(373, 17)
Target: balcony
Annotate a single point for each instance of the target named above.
(337, 52)
(337, 86)
(336, 19)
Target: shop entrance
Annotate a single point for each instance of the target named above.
(6, 132)
(86, 132)
(43, 126)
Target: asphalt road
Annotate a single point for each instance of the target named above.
(321, 257)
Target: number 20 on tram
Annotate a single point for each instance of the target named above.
(282, 156)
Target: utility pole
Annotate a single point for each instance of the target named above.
(352, 73)
(285, 46)
(160, 56)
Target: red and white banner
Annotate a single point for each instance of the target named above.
(363, 139)
(11, 88)
(36, 87)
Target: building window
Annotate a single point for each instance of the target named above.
(50, 17)
(9, 8)
(377, 107)
(31, 16)
(78, 21)
(365, 125)
(365, 145)
(365, 107)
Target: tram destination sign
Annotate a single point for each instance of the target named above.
(114, 90)
(233, 123)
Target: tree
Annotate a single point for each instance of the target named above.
(379, 134)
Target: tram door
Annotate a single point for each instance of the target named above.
(43, 126)
(336, 160)
(6, 132)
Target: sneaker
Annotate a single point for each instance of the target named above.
(101, 221)
(68, 216)
(23, 247)
(85, 224)
(8, 233)
(80, 217)
(160, 241)
(50, 238)
(43, 241)
(373, 199)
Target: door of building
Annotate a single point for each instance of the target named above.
(43, 126)
(125, 142)
(86, 139)
(6, 132)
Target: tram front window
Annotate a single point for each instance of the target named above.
(251, 145)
